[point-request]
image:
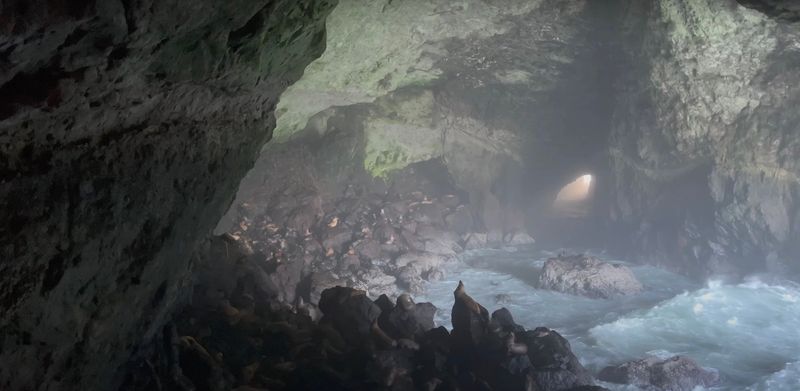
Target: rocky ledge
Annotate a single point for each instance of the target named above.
(237, 335)
(588, 276)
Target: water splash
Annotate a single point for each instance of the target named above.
(749, 332)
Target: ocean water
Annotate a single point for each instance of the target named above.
(749, 331)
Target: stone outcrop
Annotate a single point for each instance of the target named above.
(705, 141)
(588, 276)
(236, 334)
(125, 127)
(678, 373)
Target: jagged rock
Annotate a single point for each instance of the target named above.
(350, 312)
(407, 319)
(588, 276)
(505, 321)
(375, 282)
(555, 366)
(385, 303)
(678, 373)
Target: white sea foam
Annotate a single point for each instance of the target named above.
(749, 332)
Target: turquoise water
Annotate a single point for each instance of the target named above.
(749, 332)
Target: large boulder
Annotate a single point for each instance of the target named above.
(677, 373)
(588, 276)
(350, 312)
(555, 367)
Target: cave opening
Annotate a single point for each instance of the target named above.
(552, 195)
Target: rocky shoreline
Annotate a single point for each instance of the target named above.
(387, 238)
(238, 333)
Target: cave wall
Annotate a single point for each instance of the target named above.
(706, 136)
(125, 127)
(514, 97)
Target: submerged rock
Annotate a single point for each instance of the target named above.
(678, 373)
(588, 276)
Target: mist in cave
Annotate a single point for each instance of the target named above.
(541, 195)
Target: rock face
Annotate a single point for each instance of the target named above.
(705, 141)
(125, 128)
(486, 84)
(676, 373)
(588, 276)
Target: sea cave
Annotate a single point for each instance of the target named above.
(494, 195)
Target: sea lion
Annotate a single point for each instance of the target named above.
(470, 319)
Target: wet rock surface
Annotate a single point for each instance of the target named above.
(125, 128)
(588, 276)
(676, 373)
(235, 334)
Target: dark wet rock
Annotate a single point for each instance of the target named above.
(678, 373)
(588, 276)
(350, 312)
(385, 303)
(407, 319)
(555, 366)
(505, 321)
(320, 281)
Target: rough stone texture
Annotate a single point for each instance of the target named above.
(588, 276)
(676, 373)
(474, 81)
(705, 143)
(125, 127)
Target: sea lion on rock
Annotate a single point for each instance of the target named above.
(470, 319)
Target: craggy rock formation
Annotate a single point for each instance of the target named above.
(588, 276)
(493, 82)
(705, 140)
(676, 373)
(237, 335)
(379, 239)
(125, 127)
